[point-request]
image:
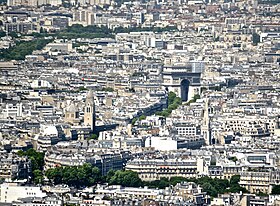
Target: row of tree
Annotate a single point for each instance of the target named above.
(213, 187)
(78, 28)
(78, 176)
(87, 175)
(139, 29)
(173, 103)
(93, 31)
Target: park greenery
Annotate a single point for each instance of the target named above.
(79, 31)
(173, 103)
(92, 31)
(23, 48)
(41, 39)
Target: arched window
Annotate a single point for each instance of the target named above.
(88, 109)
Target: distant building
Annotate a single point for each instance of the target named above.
(21, 27)
(154, 169)
(35, 201)
(11, 192)
(14, 167)
(33, 2)
(183, 80)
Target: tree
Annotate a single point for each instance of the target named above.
(262, 194)
(108, 89)
(13, 34)
(234, 180)
(37, 164)
(2, 33)
(173, 103)
(38, 176)
(134, 120)
(196, 97)
(93, 136)
(77, 176)
(82, 89)
(234, 159)
(125, 178)
(211, 190)
(171, 97)
(142, 117)
(176, 180)
(163, 183)
(275, 190)
(234, 185)
(79, 31)
(109, 175)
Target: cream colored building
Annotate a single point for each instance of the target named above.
(259, 181)
(10, 192)
(155, 169)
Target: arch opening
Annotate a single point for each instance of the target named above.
(185, 89)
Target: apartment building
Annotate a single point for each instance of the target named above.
(154, 169)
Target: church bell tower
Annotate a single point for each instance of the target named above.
(89, 116)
